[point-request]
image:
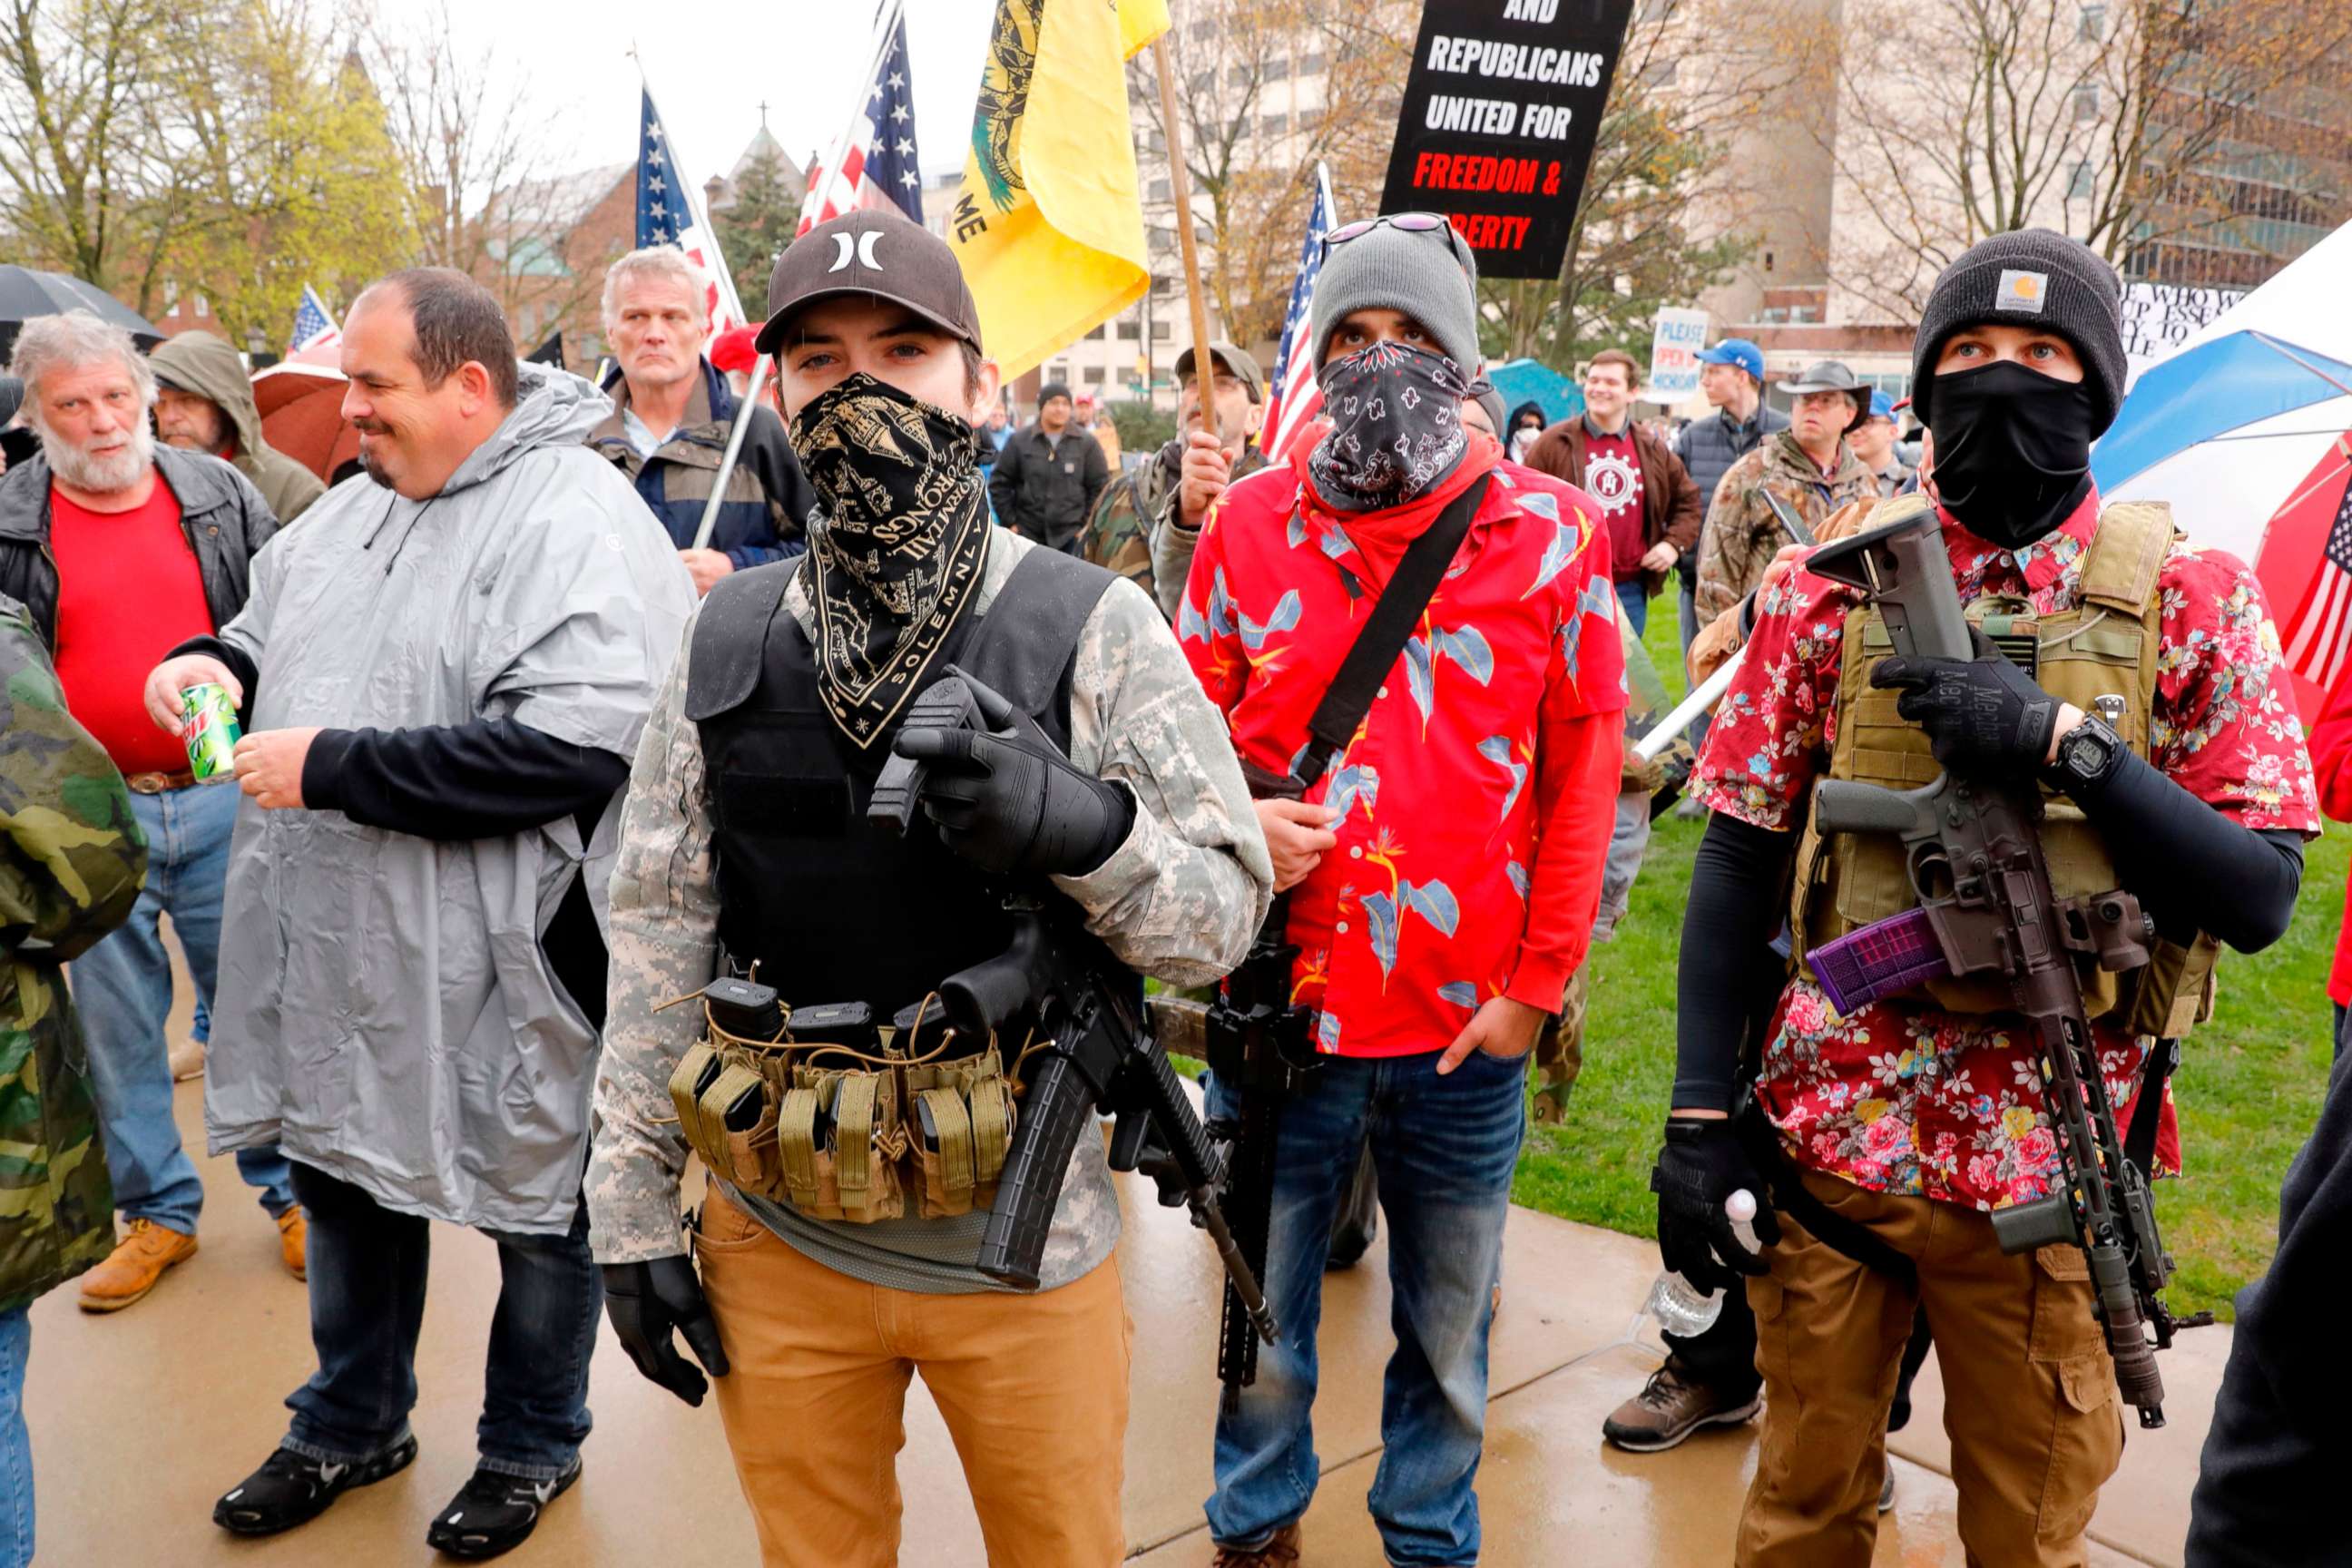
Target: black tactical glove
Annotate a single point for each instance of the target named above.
(1701, 1165)
(1009, 802)
(646, 1303)
(1983, 715)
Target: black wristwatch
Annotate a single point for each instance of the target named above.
(2091, 751)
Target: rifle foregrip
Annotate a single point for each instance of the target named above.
(1180, 1127)
(1054, 1111)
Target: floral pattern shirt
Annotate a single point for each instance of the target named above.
(1467, 866)
(1902, 1097)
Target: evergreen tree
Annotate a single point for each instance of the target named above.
(758, 225)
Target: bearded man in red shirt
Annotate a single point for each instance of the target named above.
(1443, 871)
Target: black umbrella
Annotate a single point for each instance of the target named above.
(26, 293)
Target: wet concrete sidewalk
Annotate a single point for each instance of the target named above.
(140, 1419)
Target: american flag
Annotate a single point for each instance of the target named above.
(875, 166)
(2319, 636)
(1298, 398)
(313, 328)
(670, 211)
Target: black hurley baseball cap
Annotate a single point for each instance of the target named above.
(881, 253)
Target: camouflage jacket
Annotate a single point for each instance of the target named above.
(1179, 901)
(71, 862)
(1135, 532)
(1742, 535)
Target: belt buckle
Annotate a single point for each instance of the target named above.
(148, 784)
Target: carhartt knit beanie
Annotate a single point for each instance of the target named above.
(1418, 271)
(2028, 277)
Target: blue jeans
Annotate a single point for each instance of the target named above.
(1687, 621)
(16, 1443)
(367, 1303)
(1635, 597)
(122, 989)
(1444, 1149)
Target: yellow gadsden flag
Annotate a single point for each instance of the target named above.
(1049, 226)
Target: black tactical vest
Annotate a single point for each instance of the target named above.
(832, 907)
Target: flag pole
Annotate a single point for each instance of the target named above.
(1180, 190)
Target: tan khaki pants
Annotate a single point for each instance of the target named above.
(2030, 1397)
(1033, 1389)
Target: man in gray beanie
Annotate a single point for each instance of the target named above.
(1432, 948)
(1904, 1122)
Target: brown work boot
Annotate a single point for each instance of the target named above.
(1670, 1408)
(294, 1242)
(132, 1269)
(1283, 1548)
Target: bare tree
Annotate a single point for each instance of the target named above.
(2126, 124)
(475, 156)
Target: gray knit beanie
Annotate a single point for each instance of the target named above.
(2028, 277)
(1421, 272)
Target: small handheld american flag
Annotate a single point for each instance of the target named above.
(1297, 397)
(875, 166)
(2319, 636)
(313, 328)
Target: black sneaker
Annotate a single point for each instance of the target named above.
(494, 1512)
(290, 1489)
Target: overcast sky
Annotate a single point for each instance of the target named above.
(710, 66)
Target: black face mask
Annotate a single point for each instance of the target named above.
(2012, 450)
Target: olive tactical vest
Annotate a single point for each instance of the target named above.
(830, 906)
(2103, 657)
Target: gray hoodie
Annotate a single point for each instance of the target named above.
(207, 366)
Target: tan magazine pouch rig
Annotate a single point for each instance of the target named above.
(2103, 655)
(838, 1132)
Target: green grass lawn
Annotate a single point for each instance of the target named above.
(2249, 1088)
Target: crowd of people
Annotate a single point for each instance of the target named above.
(554, 716)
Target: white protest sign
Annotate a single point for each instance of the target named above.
(1673, 355)
(2159, 317)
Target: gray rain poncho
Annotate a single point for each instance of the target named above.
(385, 1013)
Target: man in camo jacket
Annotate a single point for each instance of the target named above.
(72, 860)
(811, 1325)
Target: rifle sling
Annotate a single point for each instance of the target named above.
(2148, 1107)
(1762, 1141)
(1394, 615)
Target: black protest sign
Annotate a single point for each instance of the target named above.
(1500, 118)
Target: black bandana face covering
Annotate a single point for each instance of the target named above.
(898, 557)
(2012, 450)
(1396, 426)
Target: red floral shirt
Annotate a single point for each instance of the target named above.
(1469, 855)
(1903, 1098)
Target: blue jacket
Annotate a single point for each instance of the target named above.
(765, 515)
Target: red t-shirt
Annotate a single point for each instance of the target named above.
(128, 593)
(1612, 477)
(1478, 795)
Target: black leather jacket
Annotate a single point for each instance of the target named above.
(225, 518)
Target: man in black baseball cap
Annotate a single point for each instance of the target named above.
(1111, 794)
(2140, 678)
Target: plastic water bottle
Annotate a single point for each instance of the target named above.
(1682, 1308)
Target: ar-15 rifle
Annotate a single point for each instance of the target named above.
(1259, 1045)
(1974, 854)
(1052, 982)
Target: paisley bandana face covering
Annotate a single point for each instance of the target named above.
(896, 560)
(1396, 426)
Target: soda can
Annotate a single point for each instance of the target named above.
(213, 733)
